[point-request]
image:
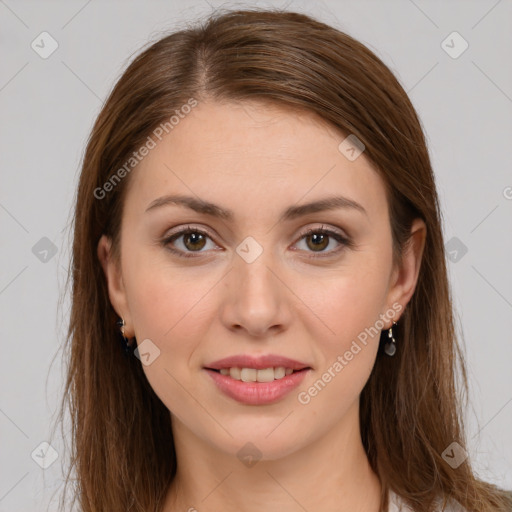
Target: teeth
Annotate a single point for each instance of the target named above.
(254, 375)
(280, 372)
(233, 372)
(249, 374)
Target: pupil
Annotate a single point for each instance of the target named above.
(318, 239)
(195, 237)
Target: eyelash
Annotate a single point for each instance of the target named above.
(344, 241)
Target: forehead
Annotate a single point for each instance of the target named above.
(252, 155)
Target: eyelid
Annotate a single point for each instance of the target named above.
(171, 236)
(341, 238)
(344, 241)
(185, 229)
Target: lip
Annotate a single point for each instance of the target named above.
(258, 362)
(257, 393)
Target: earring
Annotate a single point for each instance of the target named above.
(125, 342)
(390, 346)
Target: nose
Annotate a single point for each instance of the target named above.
(256, 298)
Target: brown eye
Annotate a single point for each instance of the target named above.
(187, 242)
(194, 241)
(319, 241)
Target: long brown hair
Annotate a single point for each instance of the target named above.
(122, 453)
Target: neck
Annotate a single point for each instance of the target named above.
(329, 474)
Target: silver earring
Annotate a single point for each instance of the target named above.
(390, 346)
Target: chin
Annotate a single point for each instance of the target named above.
(267, 438)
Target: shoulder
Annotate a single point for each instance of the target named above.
(397, 505)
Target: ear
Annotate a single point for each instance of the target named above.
(404, 278)
(116, 289)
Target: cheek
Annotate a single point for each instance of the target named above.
(348, 301)
(165, 302)
(350, 307)
(169, 309)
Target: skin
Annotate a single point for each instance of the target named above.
(257, 160)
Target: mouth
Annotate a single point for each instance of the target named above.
(257, 386)
(257, 379)
(269, 374)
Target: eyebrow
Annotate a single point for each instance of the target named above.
(292, 212)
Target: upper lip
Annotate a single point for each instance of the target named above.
(258, 362)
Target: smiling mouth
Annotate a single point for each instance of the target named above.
(257, 386)
(257, 375)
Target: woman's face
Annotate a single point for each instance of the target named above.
(261, 281)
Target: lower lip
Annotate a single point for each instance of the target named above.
(257, 393)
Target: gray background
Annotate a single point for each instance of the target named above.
(47, 110)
